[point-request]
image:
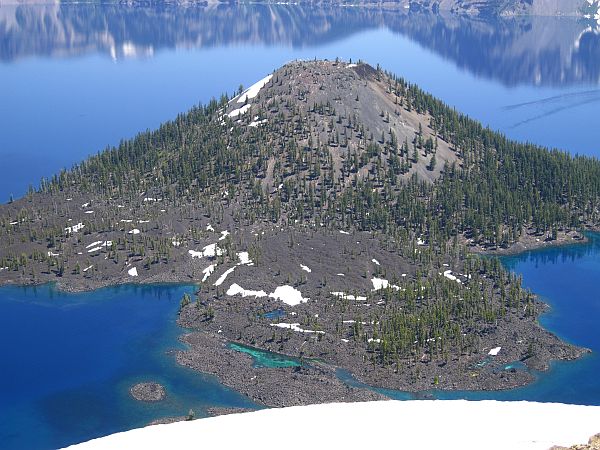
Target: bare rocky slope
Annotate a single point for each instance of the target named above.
(328, 213)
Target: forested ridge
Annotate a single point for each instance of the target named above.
(301, 169)
(491, 193)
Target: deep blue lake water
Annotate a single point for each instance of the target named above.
(68, 361)
(75, 78)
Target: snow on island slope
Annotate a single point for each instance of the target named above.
(419, 424)
(253, 90)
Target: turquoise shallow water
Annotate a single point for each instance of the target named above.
(68, 361)
(264, 358)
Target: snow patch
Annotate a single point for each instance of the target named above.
(134, 231)
(495, 351)
(236, 289)
(345, 296)
(288, 295)
(493, 425)
(253, 90)
(295, 327)
(133, 272)
(256, 123)
(305, 268)
(222, 278)
(244, 258)
(210, 251)
(208, 271)
(239, 111)
(75, 228)
(381, 283)
(448, 274)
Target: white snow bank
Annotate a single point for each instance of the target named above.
(375, 261)
(239, 111)
(381, 283)
(495, 351)
(345, 296)
(208, 271)
(253, 90)
(244, 258)
(134, 231)
(224, 234)
(295, 327)
(236, 289)
(74, 228)
(220, 280)
(98, 245)
(448, 274)
(305, 268)
(210, 228)
(210, 251)
(256, 123)
(491, 425)
(288, 295)
(133, 272)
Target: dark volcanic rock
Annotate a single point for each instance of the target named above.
(148, 392)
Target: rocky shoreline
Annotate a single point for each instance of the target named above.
(531, 241)
(237, 319)
(272, 387)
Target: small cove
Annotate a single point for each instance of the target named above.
(73, 357)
